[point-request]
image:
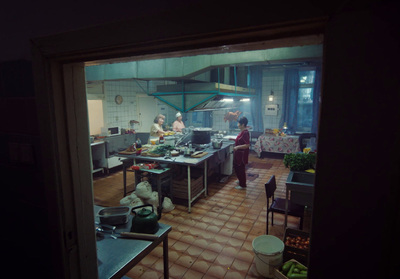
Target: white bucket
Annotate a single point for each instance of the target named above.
(268, 251)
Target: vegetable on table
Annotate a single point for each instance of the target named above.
(162, 149)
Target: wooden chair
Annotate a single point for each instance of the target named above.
(278, 204)
(304, 139)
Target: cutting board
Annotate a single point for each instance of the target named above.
(199, 154)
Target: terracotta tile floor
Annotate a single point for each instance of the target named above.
(215, 239)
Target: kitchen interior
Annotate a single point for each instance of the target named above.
(211, 91)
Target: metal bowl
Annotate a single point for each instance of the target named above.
(114, 215)
(217, 144)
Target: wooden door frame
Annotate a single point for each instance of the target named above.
(58, 63)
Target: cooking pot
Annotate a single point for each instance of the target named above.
(217, 144)
(201, 135)
(170, 140)
(144, 221)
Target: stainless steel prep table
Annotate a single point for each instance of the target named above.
(179, 160)
(117, 256)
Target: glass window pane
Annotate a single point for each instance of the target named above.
(305, 109)
(305, 95)
(307, 77)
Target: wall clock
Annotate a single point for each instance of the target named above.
(118, 99)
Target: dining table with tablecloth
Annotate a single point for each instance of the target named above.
(277, 144)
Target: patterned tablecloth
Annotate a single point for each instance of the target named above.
(278, 144)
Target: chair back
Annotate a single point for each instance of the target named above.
(270, 187)
(304, 139)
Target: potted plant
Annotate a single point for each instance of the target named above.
(299, 161)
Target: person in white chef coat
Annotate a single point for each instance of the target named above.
(178, 124)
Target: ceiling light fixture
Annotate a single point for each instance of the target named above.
(271, 96)
(245, 100)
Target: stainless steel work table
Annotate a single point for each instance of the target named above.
(178, 160)
(117, 256)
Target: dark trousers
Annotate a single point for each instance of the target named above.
(240, 171)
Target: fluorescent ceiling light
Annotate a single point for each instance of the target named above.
(245, 100)
(227, 100)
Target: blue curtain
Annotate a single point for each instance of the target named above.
(316, 100)
(255, 82)
(290, 97)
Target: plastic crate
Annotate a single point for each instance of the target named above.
(291, 252)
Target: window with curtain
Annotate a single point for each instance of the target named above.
(305, 101)
(301, 100)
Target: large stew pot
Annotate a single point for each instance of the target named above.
(201, 136)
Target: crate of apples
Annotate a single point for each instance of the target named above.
(298, 242)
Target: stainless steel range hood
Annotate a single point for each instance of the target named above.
(216, 104)
(201, 96)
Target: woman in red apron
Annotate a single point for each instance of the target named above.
(241, 153)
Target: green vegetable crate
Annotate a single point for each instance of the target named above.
(296, 245)
(291, 269)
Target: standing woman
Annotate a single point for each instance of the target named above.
(178, 124)
(156, 129)
(241, 153)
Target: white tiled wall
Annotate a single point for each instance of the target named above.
(120, 115)
(272, 80)
(218, 121)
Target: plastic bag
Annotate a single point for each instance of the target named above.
(136, 202)
(153, 200)
(125, 201)
(167, 205)
(143, 190)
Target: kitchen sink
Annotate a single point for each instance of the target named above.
(301, 187)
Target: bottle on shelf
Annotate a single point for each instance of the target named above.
(138, 146)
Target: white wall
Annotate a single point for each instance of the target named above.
(218, 121)
(96, 116)
(120, 115)
(272, 80)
